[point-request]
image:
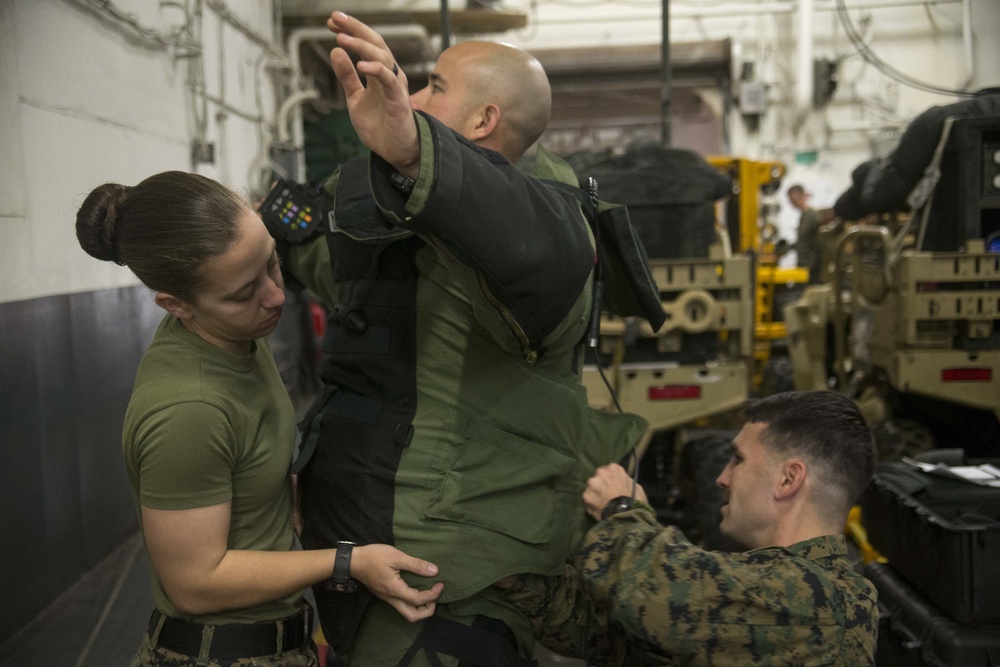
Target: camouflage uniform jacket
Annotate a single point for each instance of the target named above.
(676, 603)
(798, 605)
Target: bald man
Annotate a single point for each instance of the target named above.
(496, 95)
(453, 423)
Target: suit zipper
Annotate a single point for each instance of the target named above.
(530, 355)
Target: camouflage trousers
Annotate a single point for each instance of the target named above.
(569, 624)
(150, 656)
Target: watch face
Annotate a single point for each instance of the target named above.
(616, 505)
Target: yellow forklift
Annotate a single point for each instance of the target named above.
(689, 378)
(747, 217)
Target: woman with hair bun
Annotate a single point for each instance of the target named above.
(209, 434)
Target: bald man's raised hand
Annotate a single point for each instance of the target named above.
(380, 111)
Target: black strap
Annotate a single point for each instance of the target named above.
(241, 640)
(628, 288)
(309, 428)
(331, 401)
(473, 646)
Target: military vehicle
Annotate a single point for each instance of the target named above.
(702, 226)
(908, 321)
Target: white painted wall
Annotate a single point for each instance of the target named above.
(81, 104)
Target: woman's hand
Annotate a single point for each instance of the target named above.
(377, 566)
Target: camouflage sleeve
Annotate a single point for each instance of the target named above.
(564, 621)
(646, 575)
(567, 621)
(774, 606)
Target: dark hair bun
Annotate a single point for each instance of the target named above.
(97, 222)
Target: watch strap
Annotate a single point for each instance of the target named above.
(341, 581)
(402, 182)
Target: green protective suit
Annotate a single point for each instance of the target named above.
(454, 425)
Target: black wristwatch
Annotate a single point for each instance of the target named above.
(340, 581)
(402, 182)
(616, 505)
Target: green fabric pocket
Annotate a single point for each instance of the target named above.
(504, 483)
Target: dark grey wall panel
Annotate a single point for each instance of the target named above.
(67, 364)
(108, 333)
(23, 552)
(59, 501)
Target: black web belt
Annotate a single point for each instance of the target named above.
(239, 640)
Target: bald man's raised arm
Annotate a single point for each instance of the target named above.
(528, 241)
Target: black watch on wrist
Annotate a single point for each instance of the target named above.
(340, 581)
(402, 182)
(616, 505)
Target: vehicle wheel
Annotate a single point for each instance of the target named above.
(896, 438)
(701, 464)
(778, 376)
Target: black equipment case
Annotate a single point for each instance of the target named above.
(912, 633)
(941, 536)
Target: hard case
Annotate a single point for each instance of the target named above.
(913, 633)
(941, 536)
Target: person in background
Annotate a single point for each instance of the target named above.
(209, 433)
(800, 462)
(807, 245)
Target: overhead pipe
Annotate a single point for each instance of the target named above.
(771, 8)
(445, 26)
(665, 129)
(293, 104)
(970, 60)
(804, 81)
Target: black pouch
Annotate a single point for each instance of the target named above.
(629, 288)
(623, 265)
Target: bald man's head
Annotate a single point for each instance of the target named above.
(494, 94)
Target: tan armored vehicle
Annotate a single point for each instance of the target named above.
(908, 322)
(700, 365)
